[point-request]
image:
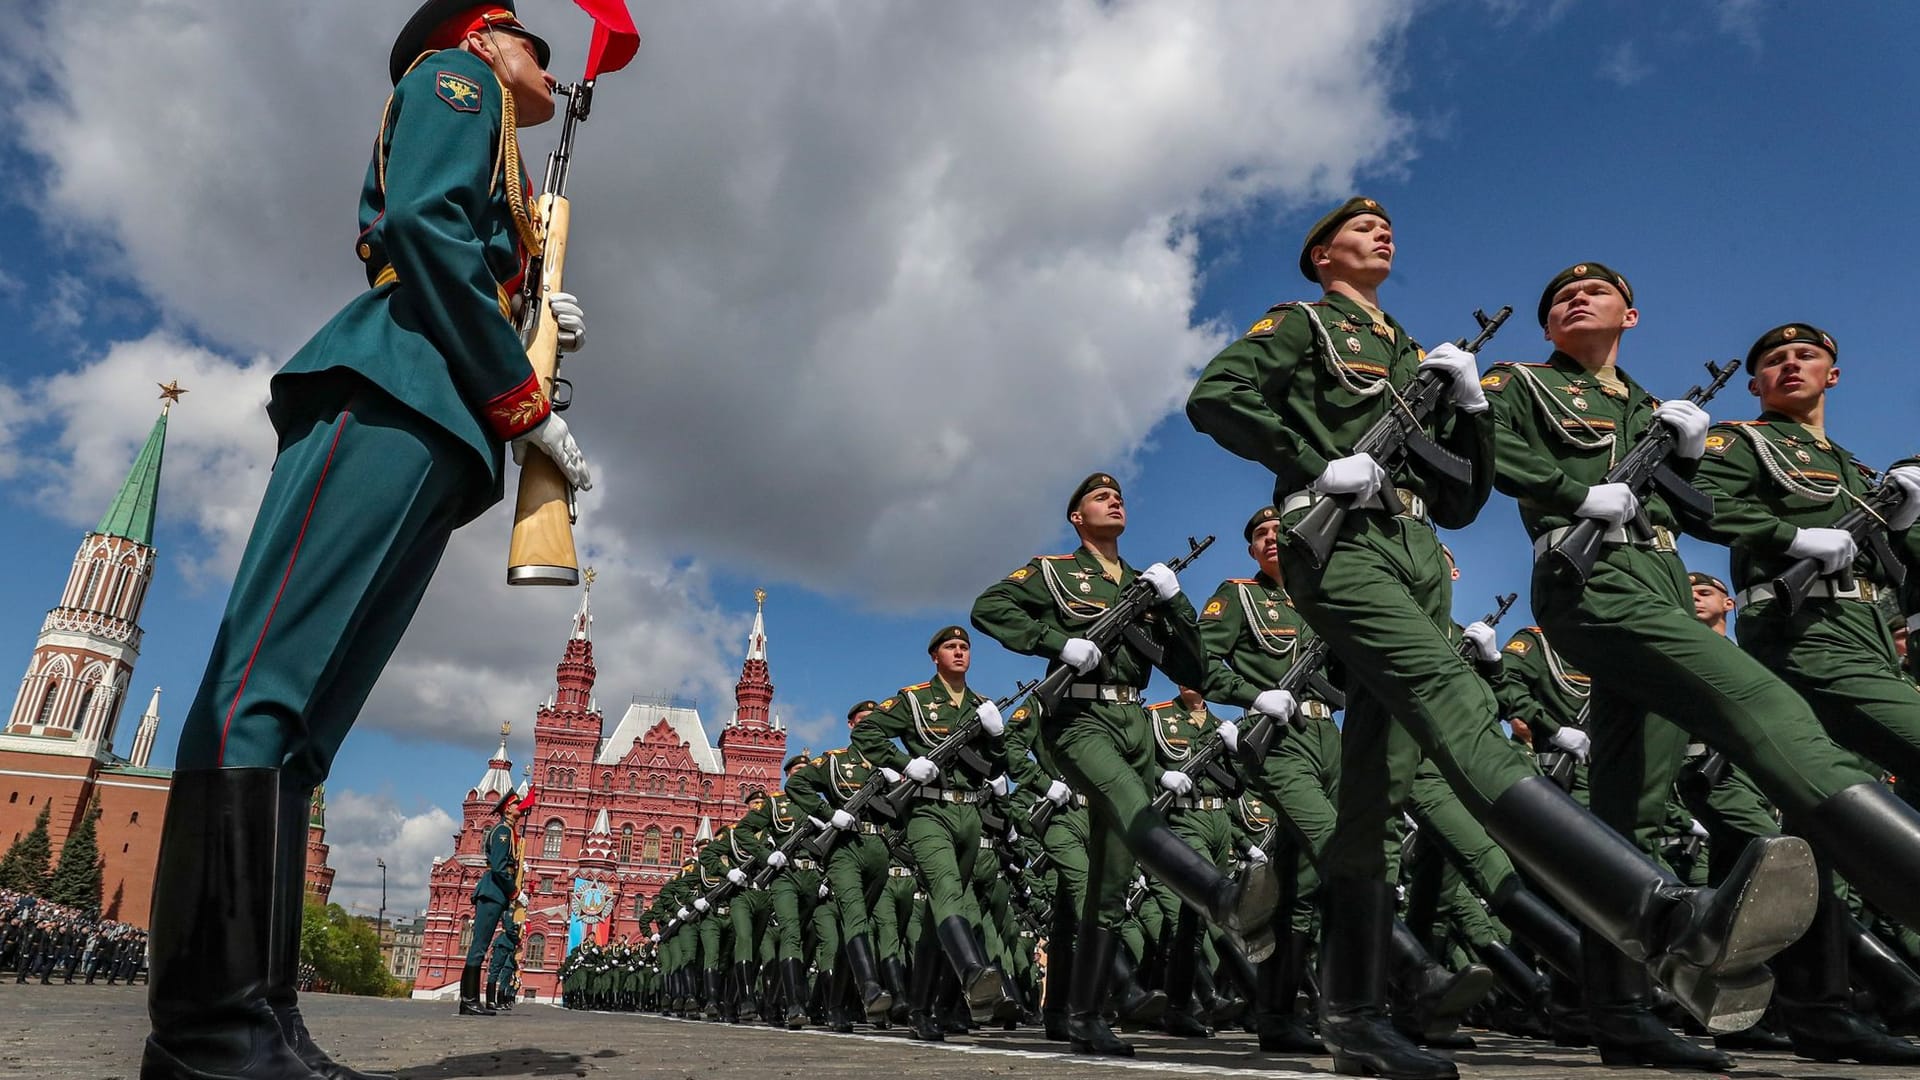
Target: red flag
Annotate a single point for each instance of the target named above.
(615, 41)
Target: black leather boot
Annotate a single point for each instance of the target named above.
(1282, 1028)
(874, 999)
(747, 992)
(1428, 1000)
(1816, 995)
(895, 970)
(1548, 933)
(1212, 1005)
(1132, 1001)
(1087, 1030)
(1243, 905)
(1620, 1009)
(211, 936)
(1060, 956)
(793, 976)
(1528, 990)
(1895, 985)
(1872, 838)
(1353, 987)
(1182, 958)
(979, 980)
(1706, 946)
(927, 963)
(471, 1003)
(715, 980)
(290, 895)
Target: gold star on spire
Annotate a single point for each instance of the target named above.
(588, 575)
(506, 729)
(170, 392)
(760, 597)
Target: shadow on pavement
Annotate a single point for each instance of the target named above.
(520, 1061)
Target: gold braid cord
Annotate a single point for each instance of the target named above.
(509, 172)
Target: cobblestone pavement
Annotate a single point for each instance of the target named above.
(85, 1032)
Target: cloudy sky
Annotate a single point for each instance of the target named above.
(869, 287)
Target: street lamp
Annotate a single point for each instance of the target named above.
(382, 864)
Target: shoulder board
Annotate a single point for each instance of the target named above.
(1157, 706)
(1743, 423)
(1056, 558)
(1865, 469)
(1241, 581)
(916, 686)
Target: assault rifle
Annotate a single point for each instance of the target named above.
(1867, 524)
(1562, 764)
(1303, 674)
(1390, 441)
(787, 848)
(1646, 467)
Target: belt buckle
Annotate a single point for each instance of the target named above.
(1867, 590)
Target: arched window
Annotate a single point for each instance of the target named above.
(86, 702)
(683, 787)
(97, 564)
(626, 842)
(552, 777)
(466, 934)
(46, 702)
(120, 579)
(679, 846)
(633, 781)
(606, 781)
(571, 782)
(556, 832)
(706, 791)
(650, 846)
(656, 784)
(536, 950)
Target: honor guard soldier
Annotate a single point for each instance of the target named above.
(496, 890)
(393, 423)
(794, 893)
(1099, 735)
(1295, 394)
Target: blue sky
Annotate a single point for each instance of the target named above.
(1743, 166)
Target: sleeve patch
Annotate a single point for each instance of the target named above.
(1519, 646)
(888, 704)
(1213, 609)
(1494, 380)
(1718, 442)
(1263, 328)
(461, 94)
(1021, 574)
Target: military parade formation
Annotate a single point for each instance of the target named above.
(1358, 829)
(41, 940)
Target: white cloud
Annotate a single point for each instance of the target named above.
(867, 282)
(1740, 20)
(1623, 66)
(362, 828)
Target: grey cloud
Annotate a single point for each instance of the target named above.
(364, 827)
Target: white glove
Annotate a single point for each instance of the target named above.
(522, 898)
(1000, 784)
(1165, 585)
(737, 876)
(700, 904)
(1614, 504)
(1177, 782)
(551, 437)
(842, 820)
(1483, 644)
(568, 317)
(1695, 828)
(922, 771)
(685, 914)
(1904, 515)
(1058, 793)
(1080, 654)
(1463, 375)
(776, 858)
(1573, 741)
(1255, 855)
(1279, 704)
(1835, 548)
(655, 938)
(1229, 734)
(990, 719)
(816, 823)
(823, 890)
(892, 775)
(1689, 423)
(1357, 475)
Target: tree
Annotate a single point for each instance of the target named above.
(344, 951)
(76, 881)
(24, 867)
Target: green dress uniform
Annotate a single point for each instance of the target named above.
(856, 865)
(1540, 688)
(793, 896)
(1202, 820)
(1065, 842)
(746, 911)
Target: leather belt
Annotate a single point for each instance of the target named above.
(1416, 507)
(1080, 800)
(866, 828)
(1316, 710)
(900, 871)
(387, 276)
(803, 864)
(1662, 539)
(1207, 802)
(1821, 589)
(949, 795)
(1124, 695)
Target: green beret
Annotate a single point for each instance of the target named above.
(859, 707)
(1787, 334)
(797, 759)
(756, 793)
(1323, 228)
(1698, 578)
(1265, 513)
(1581, 272)
(949, 633)
(1090, 484)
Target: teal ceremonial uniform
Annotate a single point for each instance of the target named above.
(502, 963)
(493, 892)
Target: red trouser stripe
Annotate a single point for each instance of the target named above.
(282, 591)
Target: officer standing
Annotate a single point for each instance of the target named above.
(492, 894)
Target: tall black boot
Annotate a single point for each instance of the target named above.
(1872, 838)
(927, 964)
(1233, 990)
(1895, 985)
(715, 980)
(979, 980)
(1182, 963)
(874, 999)
(1243, 905)
(1282, 1029)
(470, 1000)
(1707, 946)
(793, 974)
(1548, 933)
(1060, 955)
(1132, 1001)
(1429, 1000)
(1528, 988)
(1816, 995)
(211, 936)
(839, 985)
(1620, 1008)
(1353, 987)
(290, 894)
(895, 970)
(1087, 1030)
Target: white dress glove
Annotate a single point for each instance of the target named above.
(1229, 734)
(1080, 654)
(1689, 423)
(776, 858)
(684, 914)
(1463, 374)
(1484, 646)
(1904, 515)
(1357, 475)
(551, 437)
(654, 937)
(1058, 793)
(842, 820)
(1835, 548)
(1279, 704)
(1573, 741)
(1255, 855)
(892, 775)
(522, 898)
(922, 771)
(1695, 828)
(823, 890)
(1165, 585)
(700, 904)
(571, 321)
(990, 719)
(1614, 504)
(1177, 782)
(1000, 785)
(816, 823)
(737, 876)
